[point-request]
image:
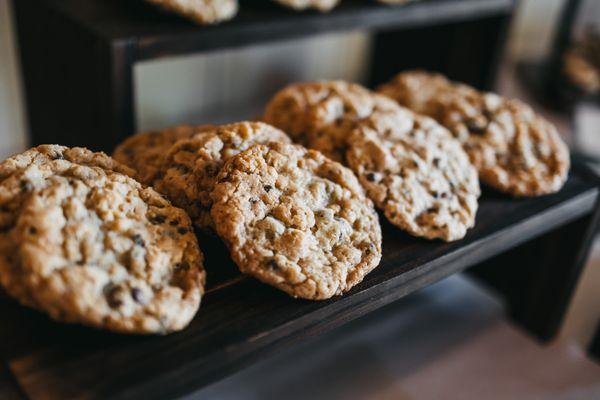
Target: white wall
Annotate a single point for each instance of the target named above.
(235, 84)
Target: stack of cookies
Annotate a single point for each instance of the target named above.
(89, 239)
(412, 168)
(290, 216)
(85, 243)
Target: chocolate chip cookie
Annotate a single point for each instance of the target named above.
(514, 150)
(204, 12)
(55, 154)
(92, 246)
(320, 5)
(321, 115)
(296, 220)
(145, 152)
(191, 166)
(417, 173)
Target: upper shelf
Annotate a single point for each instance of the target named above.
(153, 33)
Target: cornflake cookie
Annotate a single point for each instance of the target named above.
(514, 150)
(321, 115)
(94, 247)
(204, 12)
(417, 173)
(296, 220)
(321, 5)
(145, 152)
(191, 166)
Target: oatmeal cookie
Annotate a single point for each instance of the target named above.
(514, 150)
(296, 220)
(145, 152)
(191, 166)
(204, 12)
(52, 153)
(417, 173)
(320, 5)
(321, 115)
(94, 247)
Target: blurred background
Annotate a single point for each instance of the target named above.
(234, 84)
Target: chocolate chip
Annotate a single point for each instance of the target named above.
(111, 292)
(371, 177)
(57, 156)
(138, 240)
(436, 162)
(174, 222)
(158, 219)
(476, 128)
(182, 231)
(253, 200)
(182, 168)
(435, 194)
(432, 210)
(182, 266)
(33, 230)
(273, 264)
(268, 188)
(26, 185)
(138, 295)
(211, 170)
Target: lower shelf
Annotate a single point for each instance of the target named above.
(241, 321)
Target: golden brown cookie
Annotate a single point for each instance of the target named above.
(515, 150)
(145, 152)
(296, 220)
(321, 115)
(204, 12)
(191, 166)
(320, 5)
(417, 173)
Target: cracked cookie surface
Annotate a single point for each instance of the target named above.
(417, 173)
(204, 12)
(190, 168)
(321, 115)
(91, 246)
(320, 5)
(55, 154)
(514, 150)
(296, 220)
(145, 152)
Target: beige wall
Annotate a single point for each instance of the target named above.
(12, 126)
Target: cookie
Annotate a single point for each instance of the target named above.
(204, 12)
(320, 5)
(191, 165)
(514, 150)
(94, 247)
(145, 152)
(296, 220)
(417, 173)
(52, 153)
(321, 115)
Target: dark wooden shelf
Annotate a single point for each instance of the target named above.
(242, 320)
(153, 33)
